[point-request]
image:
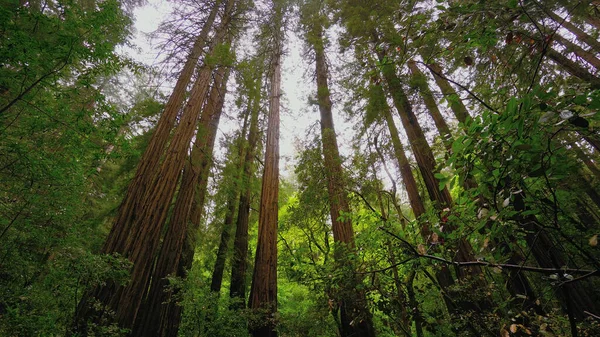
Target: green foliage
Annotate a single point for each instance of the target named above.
(58, 131)
(207, 314)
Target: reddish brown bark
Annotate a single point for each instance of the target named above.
(416, 137)
(155, 316)
(412, 189)
(149, 163)
(142, 241)
(263, 291)
(219, 267)
(441, 198)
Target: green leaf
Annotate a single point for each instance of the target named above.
(511, 107)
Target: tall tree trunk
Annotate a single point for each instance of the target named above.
(460, 111)
(263, 292)
(579, 33)
(219, 268)
(141, 245)
(440, 197)
(592, 139)
(517, 283)
(574, 298)
(573, 68)
(410, 183)
(149, 163)
(421, 81)
(416, 137)
(585, 159)
(158, 300)
(239, 262)
(142, 242)
(578, 51)
(355, 318)
(414, 304)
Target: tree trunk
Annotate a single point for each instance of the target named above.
(579, 33)
(460, 111)
(431, 105)
(414, 304)
(354, 316)
(158, 300)
(149, 163)
(416, 137)
(441, 198)
(578, 51)
(517, 283)
(263, 292)
(219, 268)
(141, 245)
(239, 263)
(585, 159)
(144, 231)
(575, 300)
(573, 68)
(412, 189)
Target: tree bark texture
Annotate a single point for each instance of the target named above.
(416, 137)
(441, 198)
(149, 163)
(263, 291)
(141, 244)
(158, 300)
(410, 183)
(219, 268)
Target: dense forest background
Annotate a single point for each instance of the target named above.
(460, 198)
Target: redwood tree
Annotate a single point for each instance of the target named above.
(263, 292)
(143, 231)
(355, 319)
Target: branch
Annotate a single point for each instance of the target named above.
(369, 205)
(36, 82)
(386, 268)
(585, 272)
(592, 315)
